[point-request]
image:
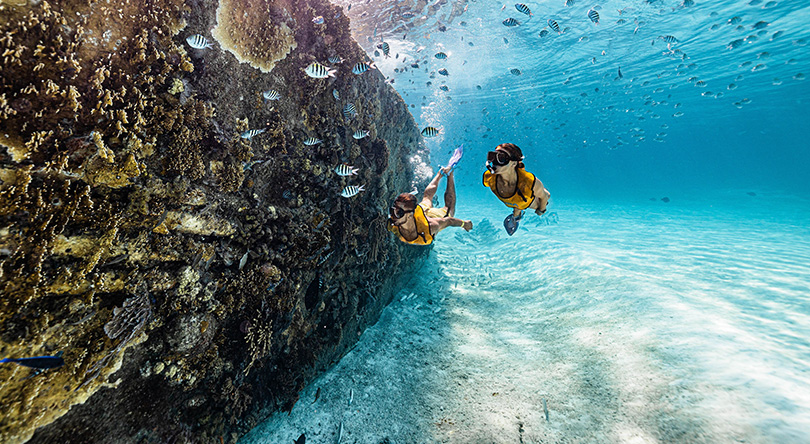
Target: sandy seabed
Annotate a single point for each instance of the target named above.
(651, 325)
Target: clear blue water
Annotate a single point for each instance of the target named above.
(635, 320)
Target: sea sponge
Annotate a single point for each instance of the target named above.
(255, 31)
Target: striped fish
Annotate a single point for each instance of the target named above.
(197, 41)
(336, 94)
(312, 141)
(543, 33)
(440, 55)
(349, 111)
(444, 72)
(553, 25)
(515, 71)
(335, 60)
(524, 9)
(318, 71)
(352, 190)
(271, 94)
(361, 67)
(594, 16)
(345, 170)
(386, 49)
(430, 131)
(510, 22)
(668, 38)
(444, 88)
(359, 134)
(569, 3)
(249, 134)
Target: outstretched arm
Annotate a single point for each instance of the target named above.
(440, 223)
(430, 191)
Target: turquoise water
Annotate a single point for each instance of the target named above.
(624, 317)
(636, 321)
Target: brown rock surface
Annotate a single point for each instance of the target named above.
(194, 280)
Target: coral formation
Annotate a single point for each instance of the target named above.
(165, 255)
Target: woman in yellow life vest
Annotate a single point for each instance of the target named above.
(417, 224)
(513, 185)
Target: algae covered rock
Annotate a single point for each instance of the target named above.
(166, 228)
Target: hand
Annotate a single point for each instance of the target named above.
(446, 171)
(467, 225)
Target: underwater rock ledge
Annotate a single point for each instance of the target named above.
(194, 280)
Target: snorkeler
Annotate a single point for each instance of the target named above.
(417, 224)
(513, 185)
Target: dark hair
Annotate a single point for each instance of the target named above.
(407, 200)
(514, 152)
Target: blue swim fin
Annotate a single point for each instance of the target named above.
(511, 224)
(456, 157)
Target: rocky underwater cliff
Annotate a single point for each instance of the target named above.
(194, 274)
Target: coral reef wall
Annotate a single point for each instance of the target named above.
(194, 279)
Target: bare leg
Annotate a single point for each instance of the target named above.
(430, 191)
(450, 195)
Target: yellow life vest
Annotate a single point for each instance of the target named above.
(524, 191)
(422, 229)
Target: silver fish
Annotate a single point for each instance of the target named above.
(312, 141)
(345, 170)
(361, 67)
(271, 94)
(335, 60)
(244, 259)
(318, 20)
(352, 190)
(336, 94)
(349, 110)
(249, 134)
(359, 134)
(318, 71)
(197, 41)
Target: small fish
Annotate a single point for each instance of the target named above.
(734, 20)
(345, 170)
(594, 16)
(349, 110)
(510, 22)
(318, 20)
(760, 25)
(352, 190)
(543, 33)
(271, 94)
(553, 25)
(408, 15)
(243, 260)
(336, 94)
(444, 88)
(386, 49)
(430, 131)
(668, 38)
(524, 9)
(700, 84)
(197, 41)
(38, 362)
(362, 67)
(515, 71)
(735, 44)
(301, 439)
(340, 432)
(317, 393)
(444, 72)
(335, 60)
(351, 396)
(318, 71)
(312, 141)
(569, 3)
(359, 134)
(620, 72)
(249, 134)
(505, 41)
(440, 56)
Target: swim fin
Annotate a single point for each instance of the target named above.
(511, 224)
(456, 157)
